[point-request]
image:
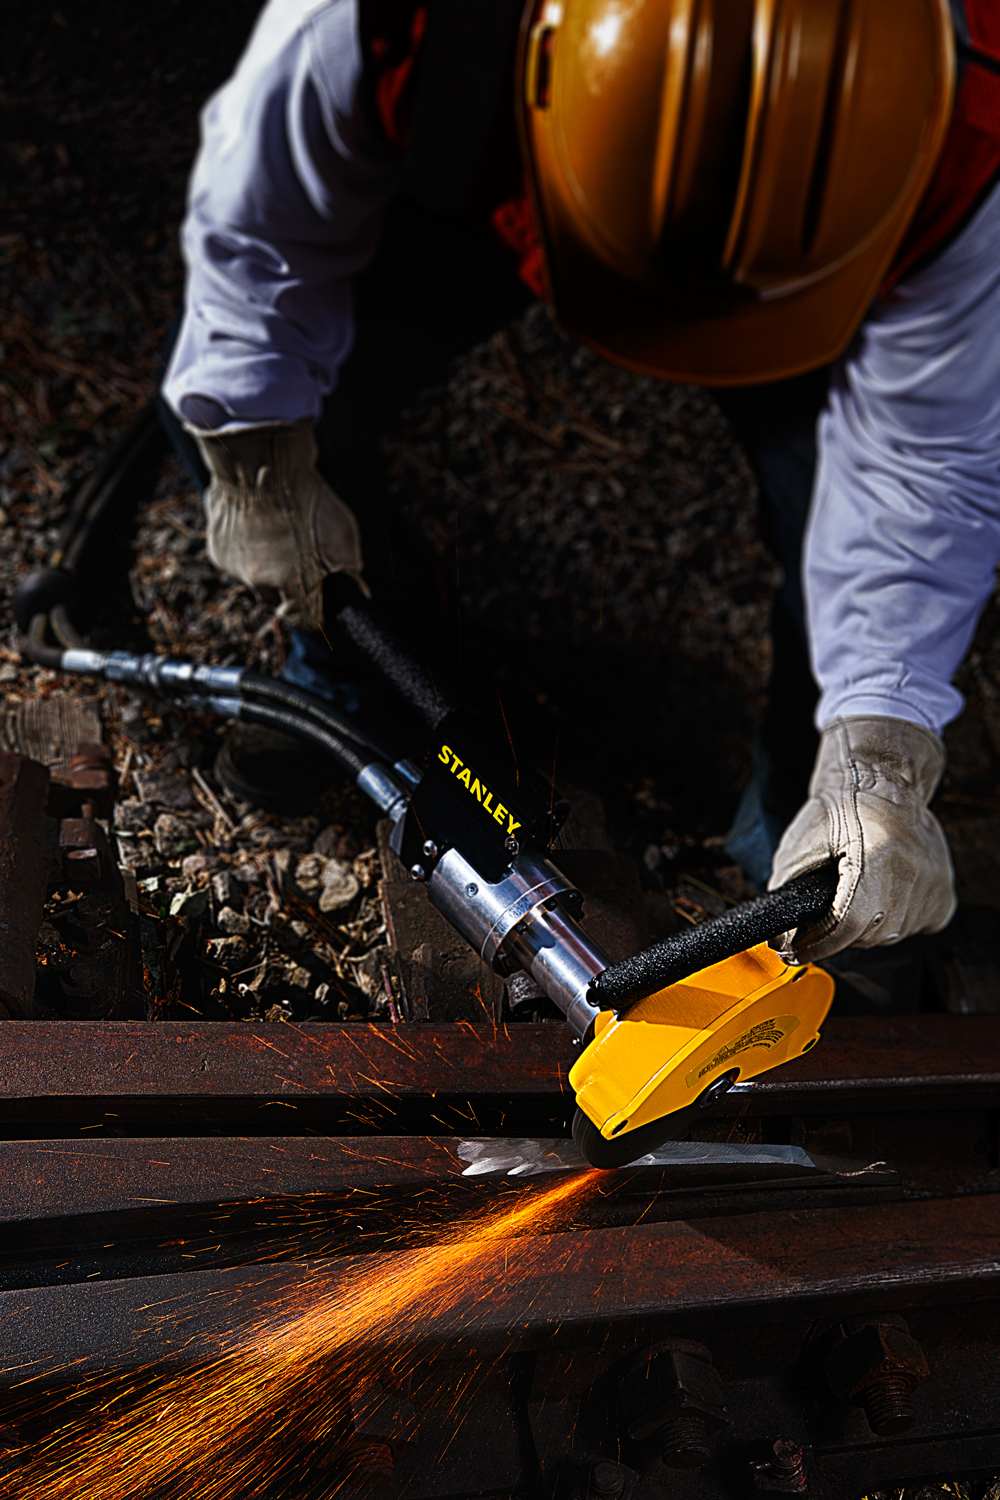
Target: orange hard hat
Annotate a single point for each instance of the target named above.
(722, 184)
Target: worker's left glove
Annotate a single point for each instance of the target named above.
(867, 809)
(273, 521)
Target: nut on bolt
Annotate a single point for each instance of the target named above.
(785, 1472)
(876, 1365)
(381, 1418)
(674, 1392)
(368, 1463)
(604, 1479)
(608, 1480)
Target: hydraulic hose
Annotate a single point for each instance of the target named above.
(275, 717)
(139, 447)
(64, 630)
(260, 689)
(67, 577)
(36, 650)
(222, 691)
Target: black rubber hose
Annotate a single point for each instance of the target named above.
(35, 648)
(139, 446)
(261, 689)
(64, 630)
(304, 729)
(411, 681)
(802, 900)
(67, 578)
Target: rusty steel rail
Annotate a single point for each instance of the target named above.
(533, 1290)
(56, 1178)
(172, 1192)
(53, 1179)
(867, 1063)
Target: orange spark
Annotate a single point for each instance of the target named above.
(245, 1423)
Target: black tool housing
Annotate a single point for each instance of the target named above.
(477, 799)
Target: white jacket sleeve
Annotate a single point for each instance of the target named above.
(905, 528)
(283, 207)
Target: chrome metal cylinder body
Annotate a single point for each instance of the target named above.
(526, 920)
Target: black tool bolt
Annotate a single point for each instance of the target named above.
(674, 1393)
(876, 1365)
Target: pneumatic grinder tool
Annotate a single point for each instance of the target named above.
(663, 1033)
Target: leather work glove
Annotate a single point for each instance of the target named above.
(867, 808)
(273, 521)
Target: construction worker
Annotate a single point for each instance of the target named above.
(795, 205)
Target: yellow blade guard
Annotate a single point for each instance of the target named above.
(751, 1012)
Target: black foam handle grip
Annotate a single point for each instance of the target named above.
(802, 900)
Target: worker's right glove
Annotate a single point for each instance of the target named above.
(867, 809)
(274, 522)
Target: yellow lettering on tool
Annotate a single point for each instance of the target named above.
(477, 789)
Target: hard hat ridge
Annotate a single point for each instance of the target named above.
(722, 183)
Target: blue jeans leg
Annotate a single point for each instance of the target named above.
(311, 664)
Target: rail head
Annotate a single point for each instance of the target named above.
(941, 1061)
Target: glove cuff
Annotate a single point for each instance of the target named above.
(876, 750)
(258, 458)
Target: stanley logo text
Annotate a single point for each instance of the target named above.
(477, 789)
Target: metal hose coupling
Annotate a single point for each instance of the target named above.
(163, 674)
(220, 691)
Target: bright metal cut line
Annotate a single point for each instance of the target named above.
(247, 1423)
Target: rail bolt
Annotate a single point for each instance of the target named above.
(604, 1480)
(675, 1393)
(369, 1463)
(784, 1473)
(876, 1366)
(607, 1480)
